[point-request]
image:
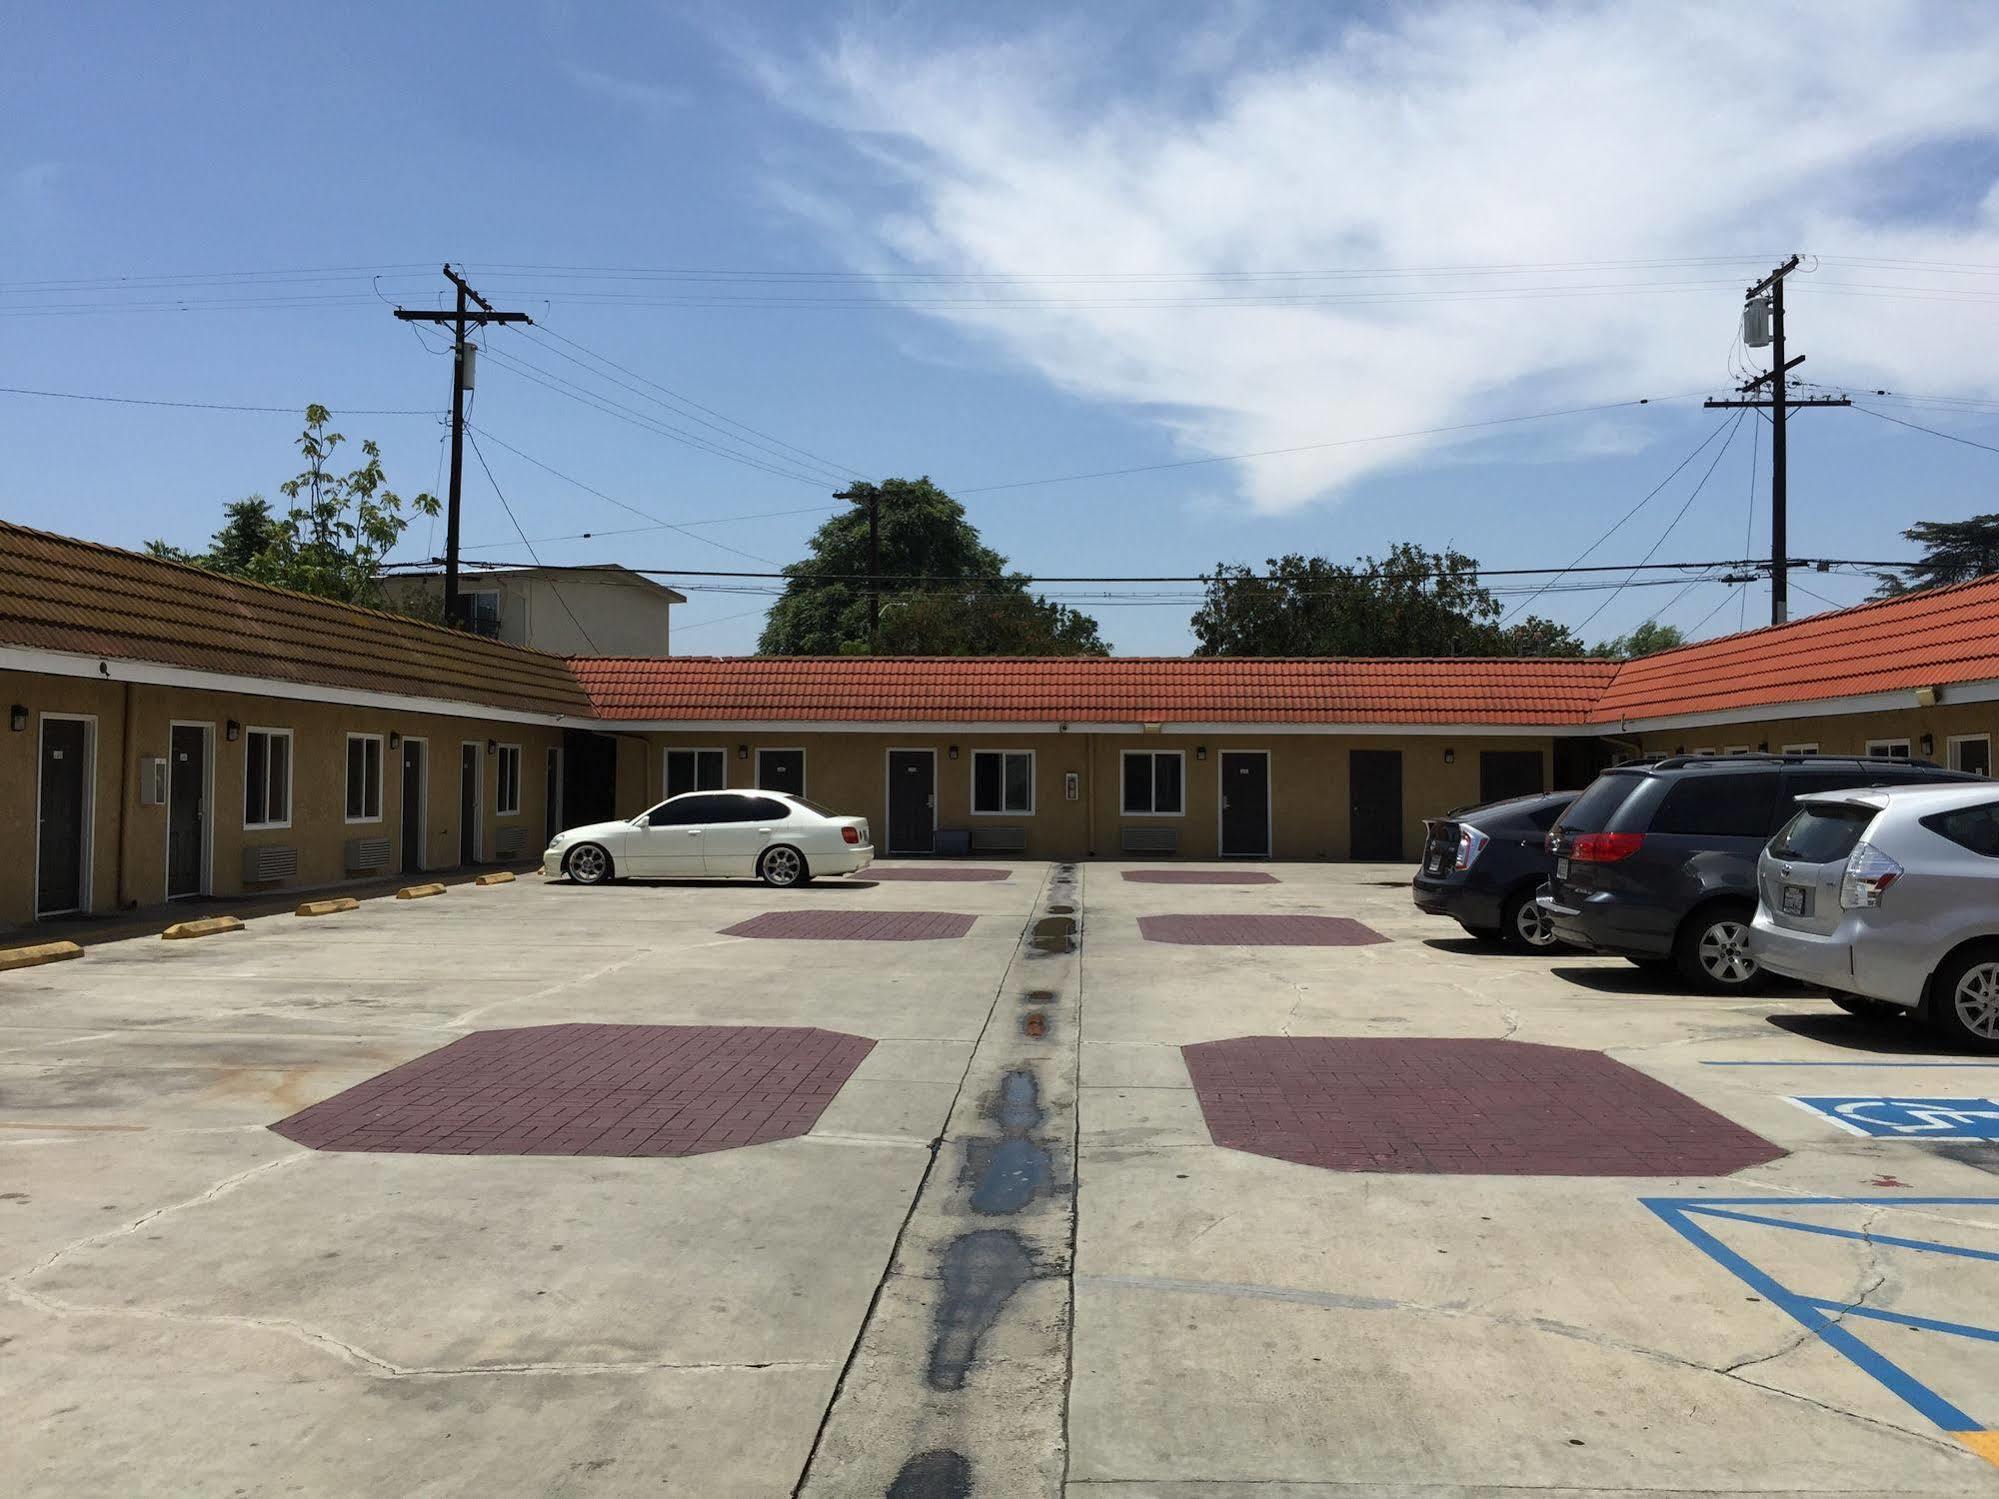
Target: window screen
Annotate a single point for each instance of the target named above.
(694, 770)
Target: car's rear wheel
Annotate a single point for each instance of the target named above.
(1868, 1009)
(1525, 925)
(1964, 999)
(588, 864)
(1713, 950)
(783, 866)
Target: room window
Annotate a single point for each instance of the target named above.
(508, 795)
(694, 770)
(1152, 780)
(267, 778)
(482, 612)
(1972, 752)
(1888, 749)
(364, 777)
(1002, 782)
(1801, 749)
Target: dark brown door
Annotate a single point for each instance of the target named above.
(1245, 805)
(912, 798)
(1374, 778)
(1509, 773)
(552, 797)
(65, 776)
(187, 809)
(412, 816)
(468, 804)
(781, 770)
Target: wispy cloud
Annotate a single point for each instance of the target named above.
(1450, 136)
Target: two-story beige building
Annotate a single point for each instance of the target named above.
(605, 610)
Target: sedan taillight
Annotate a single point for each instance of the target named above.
(1868, 873)
(850, 835)
(1471, 843)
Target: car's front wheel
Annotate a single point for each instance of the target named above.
(1526, 925)
(1713, 951)
(588, 864)
(1964, 999)
(783, 866)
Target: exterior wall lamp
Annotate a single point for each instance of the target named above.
(492, 746)
(232, 731)
(1450, 755)
(394, 739)
(954, 752)
(742, 752)
(1200, 752)
(1929, 744)
(17, 717)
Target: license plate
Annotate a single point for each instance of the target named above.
(1436, 865)
(1561, 869)
(1794, 900)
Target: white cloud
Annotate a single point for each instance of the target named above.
(1448, 136)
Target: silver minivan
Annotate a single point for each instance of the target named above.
(1889, 899)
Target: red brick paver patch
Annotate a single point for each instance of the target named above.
(930, 872)
(1466, 1108)
(854, 926)
(1258, 931)
(619, 1090)
(1201, 877)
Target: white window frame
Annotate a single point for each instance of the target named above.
(782, 749)
(666, 760)
(1801, 749)
(1737, 749)
(500, 807)
(1032, 783)
(1951, 743)
(1180, 755)
(291, 775)
(1883, 749)
(381, 767)
(86, 874)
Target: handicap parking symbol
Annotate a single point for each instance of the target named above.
(1909, 1118)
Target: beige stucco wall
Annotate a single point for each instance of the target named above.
(604, 616)
(1309, 790)
(129, 839)
(1838, 734)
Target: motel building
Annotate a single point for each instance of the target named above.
(172, 734)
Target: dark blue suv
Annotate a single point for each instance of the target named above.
(1483, 866)
(1656, 861)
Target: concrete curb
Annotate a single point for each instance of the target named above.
(499, 877)
(207, 926)
(40, 953)
(418, 892)
(327, 907)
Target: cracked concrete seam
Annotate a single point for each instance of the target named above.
(1805, 1335)
(1338, 1301)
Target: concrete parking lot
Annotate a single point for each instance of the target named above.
(999, 1250)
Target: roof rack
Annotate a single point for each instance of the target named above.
(1767, 757)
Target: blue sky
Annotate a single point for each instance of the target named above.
(1274, 227)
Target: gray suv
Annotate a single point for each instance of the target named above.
(1656, 861)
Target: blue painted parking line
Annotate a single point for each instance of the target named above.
(1826, 1317)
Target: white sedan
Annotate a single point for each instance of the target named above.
(780, 839)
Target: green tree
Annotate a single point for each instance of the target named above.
(967, 602)
(1954, 551)
(334, 538)
(1648, 639)
(1412, 603)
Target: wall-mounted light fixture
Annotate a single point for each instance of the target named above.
(232, 731)
(395, 739)
(492, 746)
(17, 718)
(742, 752)
(1200, 752)
(1450, 755)
(1929, 744)
(1926, 697)
(954, 752)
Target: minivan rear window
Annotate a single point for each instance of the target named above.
(1821, 835)
(1591, 812)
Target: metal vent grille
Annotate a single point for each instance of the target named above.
(508, 842)
(999, 840)
(268, 863)
(1151, 840)
(367, 853)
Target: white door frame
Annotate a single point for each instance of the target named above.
(422, 802)
(85, 874)
(888, 801)
(478, 796)
(208, 810)
(1269, 804)
(1951, 743)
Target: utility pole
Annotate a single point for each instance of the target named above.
(873, 499)
(1779, 405)
(461, 381)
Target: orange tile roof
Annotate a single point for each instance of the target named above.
(1926, 639)
(1085, 689)
(60, 594)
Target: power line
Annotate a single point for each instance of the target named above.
(719, 520)
(71, 395)
(1917, 427)
(528, 544)
(1713, 612)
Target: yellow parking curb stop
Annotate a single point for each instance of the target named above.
(207, 926)
(498, 877)
(327, 907)
(418, 892)
(41, 952)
